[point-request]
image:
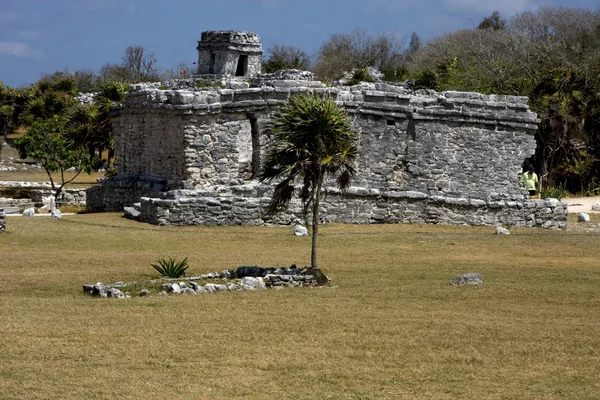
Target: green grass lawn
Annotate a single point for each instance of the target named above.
(390, 328)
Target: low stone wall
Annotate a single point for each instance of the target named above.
(246, 205)
(116, 193)
(10, 202)
(38, 190)
(70, 197)
(2, 220)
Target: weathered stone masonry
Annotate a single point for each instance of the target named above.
(188, 157)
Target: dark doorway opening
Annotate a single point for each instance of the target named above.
(255, 132)
(211, 66)
(242, 66)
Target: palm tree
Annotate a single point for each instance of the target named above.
(311, 138)
(8, 104)
(110, 93)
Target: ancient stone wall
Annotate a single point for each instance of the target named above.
(229, 53)
(430, 157)
(246, 205)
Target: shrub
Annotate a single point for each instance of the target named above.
(110, 172)
(200, 84)
(555, 192)
(360, 75)
(171, 268)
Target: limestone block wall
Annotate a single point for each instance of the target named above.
(71, 197)
(452, 159)
(246, 205)
(447, 157)
(222, 52)
(150, 144)
(117, 193)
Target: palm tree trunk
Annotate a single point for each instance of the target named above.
(315, 221)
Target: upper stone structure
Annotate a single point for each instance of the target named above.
(229, 53)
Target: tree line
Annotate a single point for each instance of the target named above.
(551, 56)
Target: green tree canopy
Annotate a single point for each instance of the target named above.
(286, 57)
(45, 143)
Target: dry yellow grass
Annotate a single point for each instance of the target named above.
(391, 328)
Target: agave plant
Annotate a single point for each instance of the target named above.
(171, 268)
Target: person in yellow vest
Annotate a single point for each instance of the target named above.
(530, 179)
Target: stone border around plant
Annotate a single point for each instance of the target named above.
(243, 278)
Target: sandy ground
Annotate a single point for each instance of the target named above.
(577, 205)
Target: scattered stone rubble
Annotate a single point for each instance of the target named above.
(243, 278)
(467, 279)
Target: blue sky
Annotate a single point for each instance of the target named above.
(44, 36)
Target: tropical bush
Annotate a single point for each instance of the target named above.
(555, 192)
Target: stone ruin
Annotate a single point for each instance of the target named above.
(229, 53)
(190, 155)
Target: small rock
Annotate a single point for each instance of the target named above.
(254, 283)
(227, 274)
(502, 231)
(115, 293)
(596, 206)
(210, 287)
(183, 285)
(44, 210)
(29, 212)
(194, 286)
(300, 230)
(88, 289)
(144, 292)
(56, 214)
(175, 288)
(583, 217)
(98, 290)
(467, 279)
(188, 290)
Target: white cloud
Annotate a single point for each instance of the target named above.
(28, 35)
(19, 49)
(10, 17)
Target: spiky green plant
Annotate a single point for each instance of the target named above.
(171, 268)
